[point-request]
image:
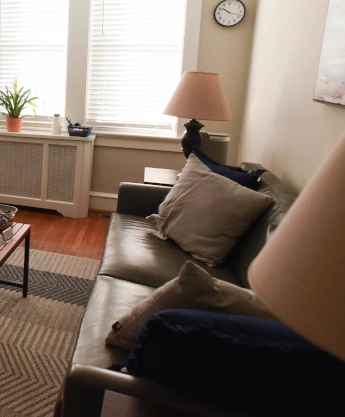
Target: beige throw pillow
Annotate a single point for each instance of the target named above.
(194, 288)
(205, 213)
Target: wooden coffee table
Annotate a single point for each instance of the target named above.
(20, 232)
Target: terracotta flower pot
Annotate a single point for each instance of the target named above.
(14, 125)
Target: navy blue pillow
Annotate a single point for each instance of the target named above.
(234, 358)
(237, 174)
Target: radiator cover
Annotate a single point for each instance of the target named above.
(46, 171)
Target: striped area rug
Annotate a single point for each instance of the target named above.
(38, 334)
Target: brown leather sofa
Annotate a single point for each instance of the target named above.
(135, 263)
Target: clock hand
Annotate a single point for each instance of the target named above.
(229, 12)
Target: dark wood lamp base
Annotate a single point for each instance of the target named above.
(191, 136)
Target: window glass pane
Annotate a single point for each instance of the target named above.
(33, 45)
(135, 61)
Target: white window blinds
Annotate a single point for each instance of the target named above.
(135, 61)
(33, 45)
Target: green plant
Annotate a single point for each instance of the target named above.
(14, 102)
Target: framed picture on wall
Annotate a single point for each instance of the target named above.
(330, 82)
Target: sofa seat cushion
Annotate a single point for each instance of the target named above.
(110, 298)
(134, 254)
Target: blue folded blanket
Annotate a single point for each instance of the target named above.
(237, 359)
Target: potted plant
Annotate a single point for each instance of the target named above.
(14, 102)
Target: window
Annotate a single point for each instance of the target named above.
(135, 61)
(113, 63)
(33, 45)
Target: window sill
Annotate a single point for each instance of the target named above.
(107, 139)
(40, 134)
(138, 141)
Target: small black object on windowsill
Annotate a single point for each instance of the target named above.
(77, 129)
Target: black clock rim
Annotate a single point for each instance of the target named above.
(225, 26)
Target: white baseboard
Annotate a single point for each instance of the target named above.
(103, 201)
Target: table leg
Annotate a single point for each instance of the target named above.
(26, 265)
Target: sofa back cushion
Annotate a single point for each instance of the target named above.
(250, 244)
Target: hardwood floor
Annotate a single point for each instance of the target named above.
(54, 233)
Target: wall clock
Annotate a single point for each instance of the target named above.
(229, 13)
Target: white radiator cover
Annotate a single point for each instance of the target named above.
(43, 170)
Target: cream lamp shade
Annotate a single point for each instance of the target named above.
(199, 95)
(300, 273)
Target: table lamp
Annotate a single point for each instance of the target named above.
(300, 273)
(199, 95)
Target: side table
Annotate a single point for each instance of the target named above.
(20, 232)
(120, 405)
(160, 176)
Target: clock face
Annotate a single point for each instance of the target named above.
(229, 13)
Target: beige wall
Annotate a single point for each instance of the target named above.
(114, 165)
(284, 129)
(227, 51)
(222, 50)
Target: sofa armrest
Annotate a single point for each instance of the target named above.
(139, 199)
(85, 387)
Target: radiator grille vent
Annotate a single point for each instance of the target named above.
(61, 173)
(21, 169)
